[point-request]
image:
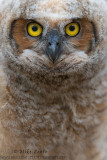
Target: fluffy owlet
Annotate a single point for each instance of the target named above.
(53, 79)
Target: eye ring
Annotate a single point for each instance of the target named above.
(34, 29)
(72, 29)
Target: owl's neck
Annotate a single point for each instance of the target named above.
(41, 89)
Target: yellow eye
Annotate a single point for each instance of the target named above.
(34, 29)
(72, 29)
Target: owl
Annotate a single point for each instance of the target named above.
(53, 79)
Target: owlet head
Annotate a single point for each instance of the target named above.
(63, 37)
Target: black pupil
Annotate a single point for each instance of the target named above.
(72, 28)
(34, 28)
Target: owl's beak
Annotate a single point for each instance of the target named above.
(53, 49)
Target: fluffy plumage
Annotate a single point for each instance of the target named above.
(60, 107)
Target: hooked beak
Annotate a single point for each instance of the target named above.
(53, 49)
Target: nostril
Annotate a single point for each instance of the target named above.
(57, 44)
(49, 43)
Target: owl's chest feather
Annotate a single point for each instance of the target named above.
(37, 119)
